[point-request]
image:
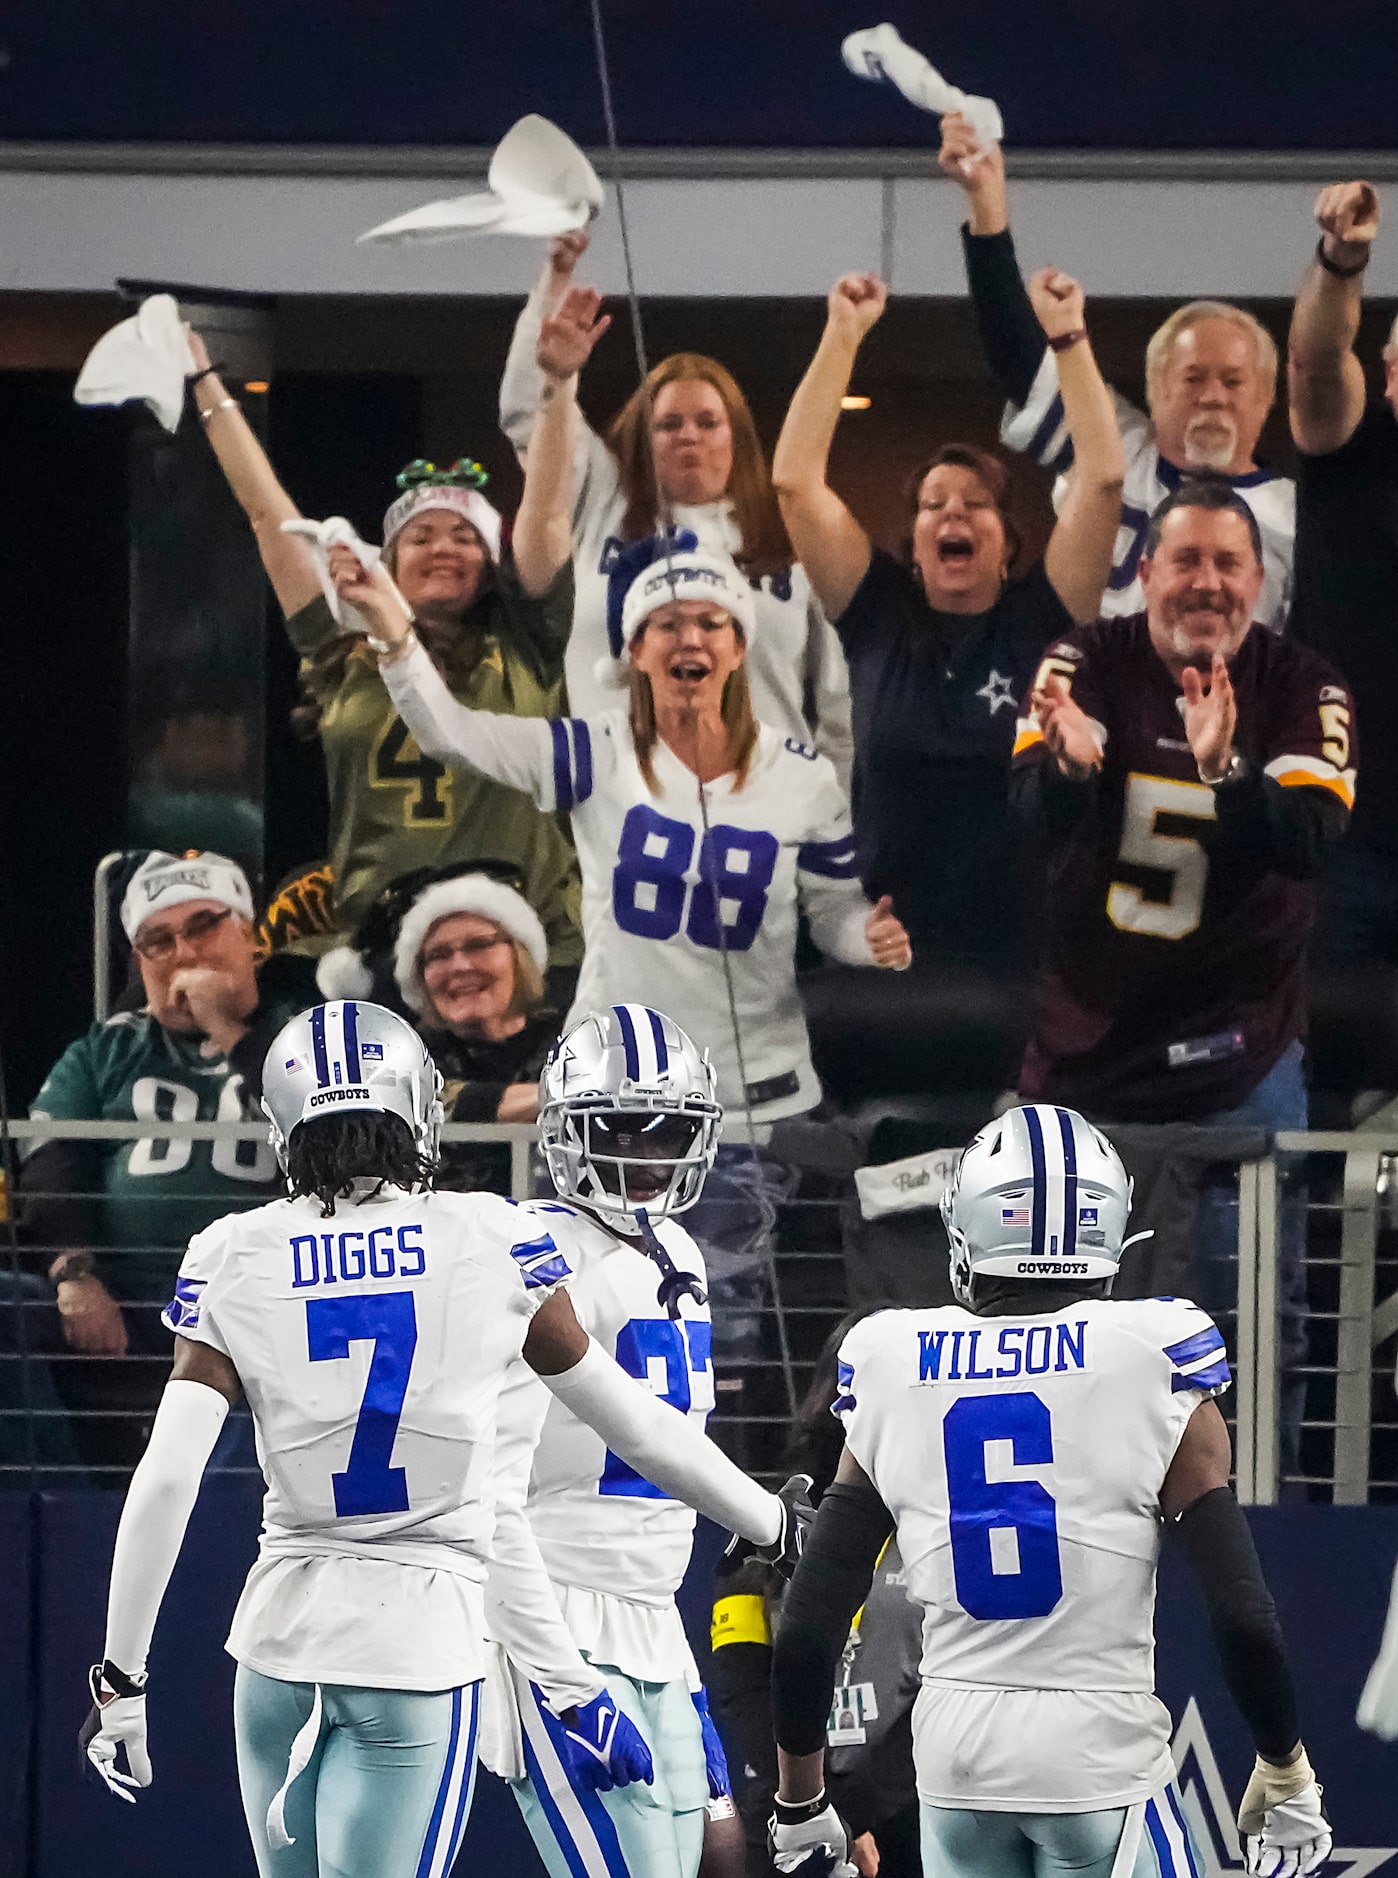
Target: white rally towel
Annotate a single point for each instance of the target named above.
(905, 1186)
(540, 184)
(880, 53)
(145, 357)
(320, 538)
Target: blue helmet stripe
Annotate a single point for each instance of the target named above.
(349, 1019)
(657, 1028)
(318, 1045)
(1070, 1184)
(628, 1038)
(1036, 1152)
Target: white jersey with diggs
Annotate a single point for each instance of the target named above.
(1022, 1458)
(1039, 429)
(613, 1545)
(795, 653)
(372, 1347)
(649, 871)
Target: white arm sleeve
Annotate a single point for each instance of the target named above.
(522, 1610)
(521, 388)
(159, 1502)
(827, 875)
(834, 732)
(516, 751)
(665, 1447)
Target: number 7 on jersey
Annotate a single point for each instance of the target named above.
(388, 1321)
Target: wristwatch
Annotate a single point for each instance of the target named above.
(1236, 769)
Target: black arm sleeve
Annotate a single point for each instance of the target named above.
(60, 1184)
(827, 1588)
(1047, 801)
(1010, 334)
(1243, 1618)
(1288, 828)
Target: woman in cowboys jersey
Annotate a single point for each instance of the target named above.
(684, 441)
(700, 831)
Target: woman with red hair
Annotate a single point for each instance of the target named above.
(685, 441)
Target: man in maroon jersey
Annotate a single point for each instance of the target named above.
(1187, 771)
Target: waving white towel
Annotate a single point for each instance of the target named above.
(540, 184)
(320, 538)
(881, 54)
(145, 357)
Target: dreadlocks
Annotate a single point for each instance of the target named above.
(326, 1155)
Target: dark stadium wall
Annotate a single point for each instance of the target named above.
(1172, 74)
(63, 746)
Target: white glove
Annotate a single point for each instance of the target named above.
(1285, 1831)
(812, 1848)
(116, 1721)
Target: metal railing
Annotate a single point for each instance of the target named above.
(1348, 1428)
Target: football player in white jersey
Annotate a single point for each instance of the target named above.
(629, 1126)
(371, 1324)
(1028, 1445)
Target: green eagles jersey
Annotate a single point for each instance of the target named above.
(392, 809)
(157, 1191)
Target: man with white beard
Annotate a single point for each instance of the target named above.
(1211, 377)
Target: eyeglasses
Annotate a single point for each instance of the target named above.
(159, 946)
(468, 948)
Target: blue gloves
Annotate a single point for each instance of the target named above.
(602, 1748)
(715, 1760)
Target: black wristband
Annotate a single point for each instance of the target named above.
(105, 1676)
(1333, 267)
(208, 372)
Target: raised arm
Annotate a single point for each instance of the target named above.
(1078, 559)
(159, 1502)
(1010, 335)
(253, 481)
(543, 533)
(829, 543)
(1324, 377)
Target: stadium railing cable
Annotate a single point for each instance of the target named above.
(665, 517)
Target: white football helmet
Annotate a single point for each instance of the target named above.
(345, 1058)
(1039, 1194)
(628, 1121)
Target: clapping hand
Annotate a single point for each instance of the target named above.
(1210, 718)
(855, 303)
(1067, 729)
(567, 336)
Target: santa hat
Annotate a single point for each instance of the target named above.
(459, 488)
(399, 921)
(651, 573)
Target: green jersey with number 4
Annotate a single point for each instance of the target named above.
(392, 809)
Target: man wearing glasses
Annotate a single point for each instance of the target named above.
(109, 1218)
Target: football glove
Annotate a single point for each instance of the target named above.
(1285, 1831)
(116, 1719)
(602, 1747)
(785, 1550)
(813, 1846)
(715, 1760)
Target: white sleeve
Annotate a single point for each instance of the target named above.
(522, 1609)
(159, 1502)
(536, 755)
(595, 476)
(834, 732)
(827, 874)
(665, 1447)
